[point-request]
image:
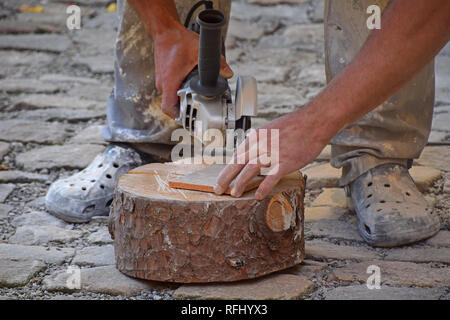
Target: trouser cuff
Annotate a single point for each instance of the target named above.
(354, 167)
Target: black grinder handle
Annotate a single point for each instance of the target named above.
(208, 82)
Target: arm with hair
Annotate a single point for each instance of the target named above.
(412, 33)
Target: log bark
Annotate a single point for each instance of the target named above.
(184, 236)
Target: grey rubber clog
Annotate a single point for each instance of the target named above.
(89, 193)
(390, 209)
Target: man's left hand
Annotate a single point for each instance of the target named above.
(301, 139)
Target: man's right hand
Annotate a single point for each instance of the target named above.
(176, 55)
(175, 49)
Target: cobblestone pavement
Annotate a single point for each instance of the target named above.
(53, 88)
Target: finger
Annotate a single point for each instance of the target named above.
(226, 176)
(238, 162)
(247, 173)
(246, 149)
(266, 186)
(225, 70)
(169, 103)
(158, 82)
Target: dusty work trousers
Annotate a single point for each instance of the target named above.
(394, 132)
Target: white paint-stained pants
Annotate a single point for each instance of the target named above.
(395, 131)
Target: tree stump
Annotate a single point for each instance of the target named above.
(184, 236)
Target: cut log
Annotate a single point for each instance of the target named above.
(166, 234)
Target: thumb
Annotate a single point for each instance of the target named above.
(225, 70)
(169, 103)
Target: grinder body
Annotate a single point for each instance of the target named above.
(205, 98)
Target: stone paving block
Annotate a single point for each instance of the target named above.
(244, 30)
(96, 42)
(276, 100)
(247, 12)
(262, 73)
(101, 236)
(56, 77)
(15, 273)
(336, 229)
(26, 85)
(442, 91)
(37, 203)
(37, 218)
(38, 42)
(38, 101)
(272, 287)
(396, 274)
(39, 235)
(313, 75)
(17, 176)
(4, 149)
(101, 3)
(420, 254)
(62, 114)
(106, 279)
(437, 157)
(318, 213)
(97, 64)
(47, 255)
(90, 134)
(442, 97)
(441, 122)
(12, 58)
(66, 156)
(438, 137)
(318, 249)
(5, 191)
(96, 93)
(233, 55)
(424, 176)
(361, 292)
(322, 176)
(444, 108)
(301, 59)
(65, 297)
(51, 19)
(34, 131)
(103, 20)
(95, 256)
(4, 210)
(272, 2)
(16, 26)
(308, 269)
(317, 12)
(331, 197)
(300, 36)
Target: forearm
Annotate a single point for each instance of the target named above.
(412, 33)
(158, 16)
